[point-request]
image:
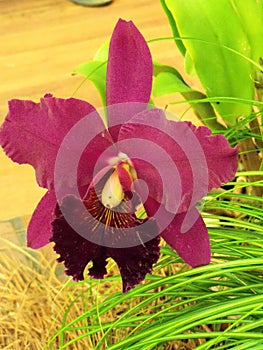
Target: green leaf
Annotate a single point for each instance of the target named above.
(168, 83)
(189, 65)
(179, 43)
(167, 80)
(95, 71)
(103, 52)
(215, 39)
(250, 13)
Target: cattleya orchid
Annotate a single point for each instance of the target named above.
(113, 191)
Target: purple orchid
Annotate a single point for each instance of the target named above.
(114, 191)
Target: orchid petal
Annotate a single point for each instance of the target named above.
(193, 246)
(129, 71)
(32, 132)
(135, 262)
(76, 251)
(222, 160)
(39, 229)
(185, 161)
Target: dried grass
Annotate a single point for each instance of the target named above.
(35, 294)
(33, 299)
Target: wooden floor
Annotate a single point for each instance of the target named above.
(41, 42)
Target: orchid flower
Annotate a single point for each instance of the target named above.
(113, 191)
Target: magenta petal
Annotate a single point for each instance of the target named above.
(76, 251)
(129, 71)
(193, 246)
(158, 158)
(135, 262)
(179, 162)
(39, 229)
(222, 159)
(32, 132)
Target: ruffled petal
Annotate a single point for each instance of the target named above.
(39, 229)
(222, 159)
(32, 132)
(129, 72)
(76, 251)
(193, 246)
(135, 262)
(179, 162)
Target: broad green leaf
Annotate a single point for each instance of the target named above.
(250, 13)
(167, 81)
(103, 52)
(95, 71)
(179, 43)
(215, 39)
(189, 65)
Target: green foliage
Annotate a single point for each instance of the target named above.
(222, 41)
(172, 22)
(250, 14)
(95, 70)
(168, 80)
